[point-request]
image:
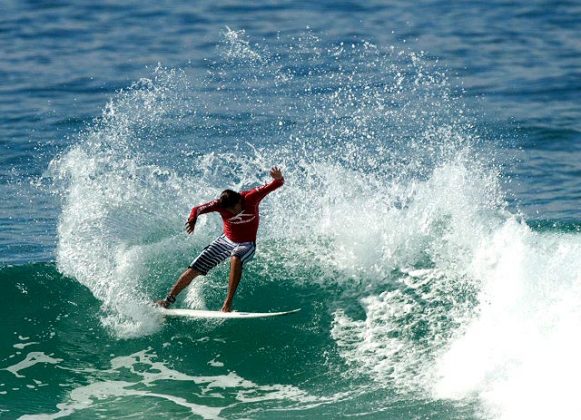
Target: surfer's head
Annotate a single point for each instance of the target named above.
(228, 199)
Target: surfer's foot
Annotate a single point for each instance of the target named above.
(162, 303)
(227, 307)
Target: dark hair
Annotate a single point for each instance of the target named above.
(229, 199)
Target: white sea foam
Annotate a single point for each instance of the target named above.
(405, 324)
(151, 373)
(520, 354)
(31, 359)
(495, 316)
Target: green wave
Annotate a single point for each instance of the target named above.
(59, 352)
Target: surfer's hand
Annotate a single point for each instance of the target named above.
(190, 224)
(276, 173)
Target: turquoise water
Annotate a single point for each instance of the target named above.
(428, 226)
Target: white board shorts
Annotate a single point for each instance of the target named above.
(221, 249)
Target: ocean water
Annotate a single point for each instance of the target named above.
(429, 225)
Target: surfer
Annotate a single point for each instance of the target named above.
(239, 213)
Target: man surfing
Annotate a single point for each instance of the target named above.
(240, 215)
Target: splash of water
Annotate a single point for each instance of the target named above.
(389, 198)
(124, 194)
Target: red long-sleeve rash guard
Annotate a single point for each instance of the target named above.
(241, 227)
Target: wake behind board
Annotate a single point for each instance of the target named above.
(194, 313)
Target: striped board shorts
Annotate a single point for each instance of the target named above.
(221, 249)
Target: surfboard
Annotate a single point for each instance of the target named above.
(195, 313)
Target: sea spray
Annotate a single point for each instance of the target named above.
(352, 153)
(115, 204)
(390, 202)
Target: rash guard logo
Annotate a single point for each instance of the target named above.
(242, 218)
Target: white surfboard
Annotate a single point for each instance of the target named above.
(195, 313)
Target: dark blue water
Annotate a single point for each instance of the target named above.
(429, 227)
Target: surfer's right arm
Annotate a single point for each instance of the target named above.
(213, 205)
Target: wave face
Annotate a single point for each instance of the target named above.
(421, 292)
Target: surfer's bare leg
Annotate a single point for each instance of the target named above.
(235, 275)
(183, 282)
